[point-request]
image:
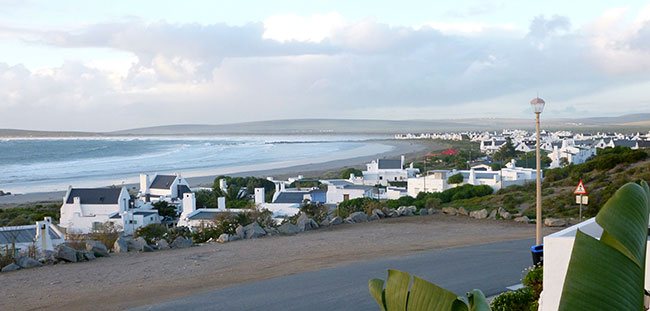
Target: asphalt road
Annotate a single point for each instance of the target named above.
(489, 267)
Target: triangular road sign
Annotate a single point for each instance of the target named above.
(580, 189)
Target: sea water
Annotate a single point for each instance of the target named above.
(51, 164)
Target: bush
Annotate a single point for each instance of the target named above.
(165, 210)
(348, 207)
(432, 203)
(519, 300)
(455, 179)
(316, 211)
(534, 279)
(346, 173)
(152, 232)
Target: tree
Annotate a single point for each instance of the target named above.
(165, 210)
(455, 179)
(346, 173)
(564, 162)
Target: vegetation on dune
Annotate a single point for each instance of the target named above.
(19, 216)
(346, 173)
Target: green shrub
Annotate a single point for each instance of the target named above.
(348, 207)
(432, 203)
(152, 232)
(455, 179)
(519, 300)
(164, 209)
(316, 211)
(534, 279)
(346, 173)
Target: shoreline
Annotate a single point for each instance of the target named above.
(400, 147)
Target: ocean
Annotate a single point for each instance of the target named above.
(51, 164)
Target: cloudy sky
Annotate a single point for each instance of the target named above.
(107, 65)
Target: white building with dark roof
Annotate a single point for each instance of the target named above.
(383, 171)
(42, 236)
(163, 188)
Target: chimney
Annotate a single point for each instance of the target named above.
(282, 185)
(259, 195)
(189, 203)
(221, 203)
(144, 183)
(222, 185)
(402, 166)
(43, 239)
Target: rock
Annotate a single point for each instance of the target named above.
(97, 248)
(47, 257)
(379, 213)
(136, 244)
(162, 244)
(449, 211)
(253, 231)
(10, 267)
(80, 256)
(358, 217)
(233, 237)
(549, 222)
(223, 238)
(493, 214)
(392, 213)
(325, 223)
(303, 222)
(507, 216)
(313, 223)
(500, 211)
(432, 211)
(463, 211)
(522, 219)
(147, 248)
(121, 245)
(480, 214)
(65, 253)
(88, 255)
(181, 242)
(271, 231)
(424, 212)
(27, 262)
(348, 221)
(288, 228)
(406, 210)
(336, 221)
(373, 217)
(239, 232)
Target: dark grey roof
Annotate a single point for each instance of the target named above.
(183, 189)
(145, 212)
(338, 182)
(95, 195)
(644, 143)
(625, 143)
(318, 191)
(115, 215)
(22, 234)
(291, 197)
(202, 214)
(162, 181)
(358, 187)
(390, 164)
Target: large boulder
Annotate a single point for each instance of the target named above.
(325, 223)
(27, 262)
(253, 231)
(136, 244)
(373, 217)
(65, 253)
(240, 233)
(480, 214)
(522, 219)
(432, 211)
(162, 244)
(288, 228)
(88, 255)
(358, 217)
(449, 211)
(303, 222)
(271, 231)
(463, 211)
(555, 222)
(423, 212)
(47, 257)
(493, 214)
(10, 267)
(406, 210)
(504, 214)
(97, 248)
(223, 238)
(147, 248)
(313, 224)
(121, 245)
(181, 242)
(336, 221)
(379, 213)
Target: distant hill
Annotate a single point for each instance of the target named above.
(632, 122)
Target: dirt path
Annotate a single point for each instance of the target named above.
(134, 279)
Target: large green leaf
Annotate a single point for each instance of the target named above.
(608, 274)
(397, 290)
(377, 292)
(475, 301)
(426, 296)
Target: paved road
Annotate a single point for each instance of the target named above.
(490, 267)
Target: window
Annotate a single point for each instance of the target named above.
(346, 197)
(135, 222)
(97, 226)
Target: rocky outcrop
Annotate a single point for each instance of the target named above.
(522, 219)
(97, 248)
(181, 242)
(253, 231)
(480, 214)
(555, 222)
(449, 211)
(358, 217)
(27, 262)
(288, 228)
(462, 211)
(65, 253)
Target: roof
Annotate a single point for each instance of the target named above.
(163, 181)
(337, 182)
(204, 214)
(362, 187)
(146, 213)
(625, 143)
(21, 234)
(115, 215)
(318, 191)
(390, 164)
(95, 195)
(291, 197)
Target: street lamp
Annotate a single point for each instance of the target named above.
(538, 106)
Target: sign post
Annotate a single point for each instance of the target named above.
(580, 191)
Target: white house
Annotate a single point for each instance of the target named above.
(163, 187)
(87, 209)
(573, 154)
(382, 171)
(339, 193)
(435, 181)
(42, 236)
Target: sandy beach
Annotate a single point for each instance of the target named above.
(135, 279)
(401, 147)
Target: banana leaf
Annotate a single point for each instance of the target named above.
(608, 274)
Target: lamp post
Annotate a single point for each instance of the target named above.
(538, 106)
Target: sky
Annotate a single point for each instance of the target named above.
(109, 65)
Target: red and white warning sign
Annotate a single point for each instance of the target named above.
(580, 189)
